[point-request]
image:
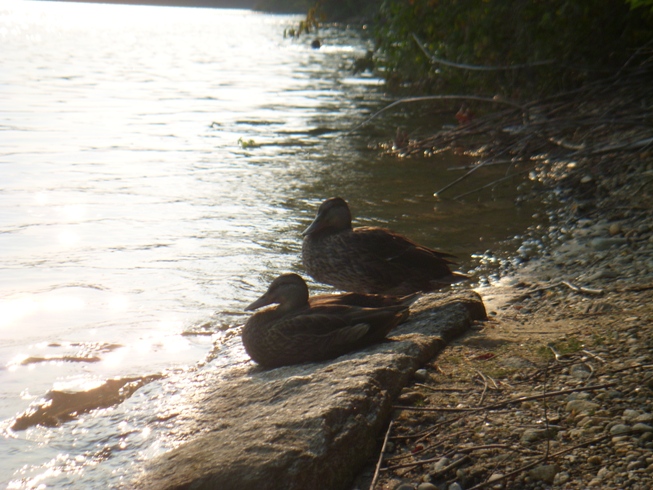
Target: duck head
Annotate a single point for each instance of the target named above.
(333, 214)
(288, 290)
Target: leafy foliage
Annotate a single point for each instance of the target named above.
(586, 39)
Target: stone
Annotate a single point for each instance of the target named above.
(494, 477)
(603, 473)
(438, 466)
(580, 371)
(517, 362)
(629, 415)
(421, 375)
(595, 460)
(533, 435)
(619, 429)
(561, 478)
(410, 398)
(307, 426)
(644, 418)
(581, 395)
(426, 486)
(581, 406)
(455, 486)
(606, 243)
(635, 465)
(404, 486)
(545, 472)
(642, 428)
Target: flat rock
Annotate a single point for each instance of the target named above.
(307, 426)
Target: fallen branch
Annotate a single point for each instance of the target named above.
(380, 461)
(492, 184)
(462, 66)
(515, 400)
(539, 461)
(426, 98)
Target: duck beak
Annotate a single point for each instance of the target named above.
(262, 301)
(316, 225)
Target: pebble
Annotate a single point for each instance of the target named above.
(561, 478)
(410, 398)
(581, 406)
(455, 486)
(582, 395)
(606, 243)
(595, 460)
(635, 465)
(642, 428)
(602, 274)
(545, 472)
(603, 473)
(405, 486)
(619, 429)
(629, 415)
(421, 375)
(426, 486)
(533, 435)
(440, 465)
(495, 477)
(580, 371)
(644, 418)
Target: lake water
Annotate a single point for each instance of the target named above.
(157, 166)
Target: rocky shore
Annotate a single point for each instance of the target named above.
(555, 390)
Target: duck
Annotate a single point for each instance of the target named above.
(303, 329)
(370, 260)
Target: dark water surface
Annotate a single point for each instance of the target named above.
(157, 166)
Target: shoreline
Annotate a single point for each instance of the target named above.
(572, 315)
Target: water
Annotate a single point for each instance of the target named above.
(157, 166)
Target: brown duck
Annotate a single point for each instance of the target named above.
(369, 259)
(301, 330)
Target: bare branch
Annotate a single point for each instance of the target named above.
(439, 61)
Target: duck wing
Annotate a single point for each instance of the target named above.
(392, 247)
(321, 332)
(361, 300)
(336, 326)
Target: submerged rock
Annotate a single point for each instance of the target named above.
(308, 426)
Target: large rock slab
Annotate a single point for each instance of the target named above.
(307, 426)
